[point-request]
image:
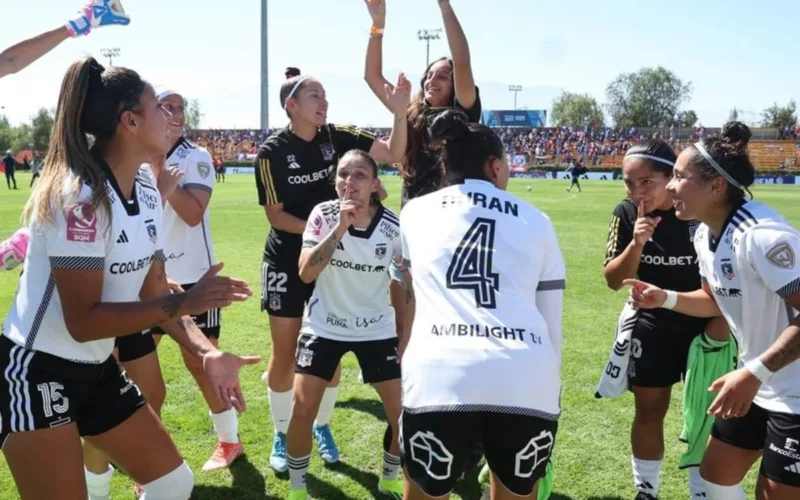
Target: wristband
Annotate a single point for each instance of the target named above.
(375, 31)
(671, 300)
(757, 368)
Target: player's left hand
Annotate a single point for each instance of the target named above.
(222, 369)
(399, 97)
(96, 14)
(736, 392)
(168, 179)
(174, 286)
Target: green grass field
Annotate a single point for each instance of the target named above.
(592, 448)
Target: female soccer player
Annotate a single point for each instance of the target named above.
(446, 83)
(747, 256)
(647, 240)
(61, 381)
(293, 175)
(478, 322)
(347, 245)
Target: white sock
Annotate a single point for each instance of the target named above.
(99, 485)
(227, 426)
(717, 492)
(697, 487)
(298, 467)
(280, 405)
(391, 466)
(326, 406)
(646, 475)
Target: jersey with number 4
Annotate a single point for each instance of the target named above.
(488, 277)
(350, 300)
(751, 271)
(123, 244)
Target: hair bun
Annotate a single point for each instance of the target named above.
(291, 72)
(449, 125)
(735, 136)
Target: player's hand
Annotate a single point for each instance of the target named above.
(347, 210)
(397, 98)
(174, 286)
(213, 291)
(96, 14)
(644, 227)
(168, 179)
(222, 369)
(377, 11)
(736, 392)
(644, 295)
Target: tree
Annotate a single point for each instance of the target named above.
(734, 115)
(6, 132)
(193, 114)
(42, 126)
(779, 117)
(687, 119)
(21, 138)
(651, 97)
(577, 111)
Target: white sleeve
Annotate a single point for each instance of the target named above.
(198, 171)
(76, 239)
(550, 290)
(772, 252)
(404, 216)
(317, 228)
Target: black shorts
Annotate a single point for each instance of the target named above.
(208, 322)
(319, 357)
(41, 391)
(436, 448)
(659, 355)
(135, 346)
(777, 435)
(283, 293)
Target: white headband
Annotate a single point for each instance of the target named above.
(294, 89)
(163, 94)
(715, 165)
(651, 157)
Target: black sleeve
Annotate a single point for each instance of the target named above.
(620, 232)
(271, 182)
(347, 137)
(474, 113)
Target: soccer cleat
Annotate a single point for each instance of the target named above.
(223, 456)
(645, 496)
(326, 446)
(483, 477)
(277, 459)
(299, 494)
(96, 14)
(391, 487)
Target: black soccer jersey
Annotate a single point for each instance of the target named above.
(428, 174)
(299, 174)
(668, 260)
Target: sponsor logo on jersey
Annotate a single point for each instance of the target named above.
(368, 322)
(728, 236)
(82, 223)
(319, 175)
(485, 331)
(529, 458)
(781, 255)
(355, 266)
(175, 256)
(336, 321)
(727, 292)
(727, 270)
(151, 232)
(389, 230)
(327, 151)
(182, 152)
(148, 199)
(380, 250)
(660, 260)
(786, 452)
(131, 266)
(305, 357)
(123, 237)
(203, 169)
(292, 162)
(316, 225)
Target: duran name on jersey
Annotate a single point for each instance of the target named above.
(350, 299)
(123, 244)
(751, 271)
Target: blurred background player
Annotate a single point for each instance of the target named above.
(95, 14)
(293, 175)
(10, 166)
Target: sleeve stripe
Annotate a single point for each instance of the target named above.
(265, 170)
(159, 256)
(199, 187)
(613, 234)
(78, 263)
(790, 289)
(406, 263)
(309, 243)
(548, 286)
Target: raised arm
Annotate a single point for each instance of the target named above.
(19, 56)
(393, 149)
(459, 51)
(373, 69)
(625, 245)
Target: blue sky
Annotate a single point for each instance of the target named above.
(736, 53)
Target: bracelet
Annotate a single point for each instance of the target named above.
(757, 368)
(376, 31)
(671, 300)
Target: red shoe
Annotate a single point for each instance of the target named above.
(223, 456)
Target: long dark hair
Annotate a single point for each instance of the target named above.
(729, 151)
(467, 147)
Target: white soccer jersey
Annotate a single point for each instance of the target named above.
(123, 246)
(189, 250)
(751, 271)
(488, 276)
(350, 300)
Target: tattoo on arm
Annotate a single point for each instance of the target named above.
(785, 350)
(322, 253)
(409, 294)
(173, 304)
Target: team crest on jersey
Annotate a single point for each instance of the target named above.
(380, 250)
(727, 271)
(203, 169)
(151, 232)
(305, 357)
(327, 151)
(781, 255)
